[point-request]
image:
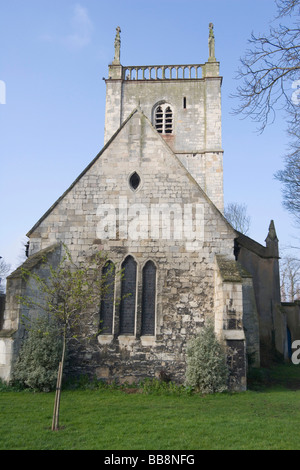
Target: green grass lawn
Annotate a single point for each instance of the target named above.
(116, 420)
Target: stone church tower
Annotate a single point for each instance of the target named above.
(183, 102)
(152, 199)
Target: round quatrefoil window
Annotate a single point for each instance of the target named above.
(134, 181)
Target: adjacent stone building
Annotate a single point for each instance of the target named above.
(152, 199)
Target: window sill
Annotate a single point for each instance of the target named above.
(105, 339)
(127, 340)
(148, 340)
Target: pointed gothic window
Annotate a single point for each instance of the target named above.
(148, 299)
(107, 301)
(128, 296)
(134, 181)
(163, 119)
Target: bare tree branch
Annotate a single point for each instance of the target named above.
(286, 7)
(267, 71)
(270, 77)
(236, 214)
(5, 269)
(290, 279)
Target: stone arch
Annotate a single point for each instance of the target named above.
(163, 117)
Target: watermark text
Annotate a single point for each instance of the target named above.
(296, 94)
(296, 354)
(156, 221)
(2, 92)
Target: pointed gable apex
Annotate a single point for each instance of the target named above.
(160, 143)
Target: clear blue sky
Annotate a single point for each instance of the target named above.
(54, 54)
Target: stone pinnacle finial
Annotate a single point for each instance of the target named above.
(117, 46)
(272, 232)
(211, 43)
(272, 240)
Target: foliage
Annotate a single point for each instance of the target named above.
(147, 386)
(10, 387)
(69, 289)
(160, 387)
(206, 367)
(37, 363)
(65, 294)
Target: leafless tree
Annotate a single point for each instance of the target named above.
(286, 7)
(4, 271)
(269, 68)
(290, 279)
(270, 82)
(22, 252)
(290, 175)
(236, 214)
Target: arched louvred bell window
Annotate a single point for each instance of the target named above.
(163, 119)
(107, 301)
(148, 299)
(128, 297)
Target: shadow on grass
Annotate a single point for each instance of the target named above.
(277, 377)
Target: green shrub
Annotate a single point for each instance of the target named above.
(206, 363)
(37, 364)
(8, 387)
(154, 386)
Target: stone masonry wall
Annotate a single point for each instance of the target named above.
(2, 306)
(185, 268)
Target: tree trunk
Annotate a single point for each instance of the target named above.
(55, 419)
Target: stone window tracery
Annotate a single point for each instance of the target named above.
(128, 304)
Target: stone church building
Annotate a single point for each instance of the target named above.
(152, 199)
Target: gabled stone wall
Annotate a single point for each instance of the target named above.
(185, 267)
